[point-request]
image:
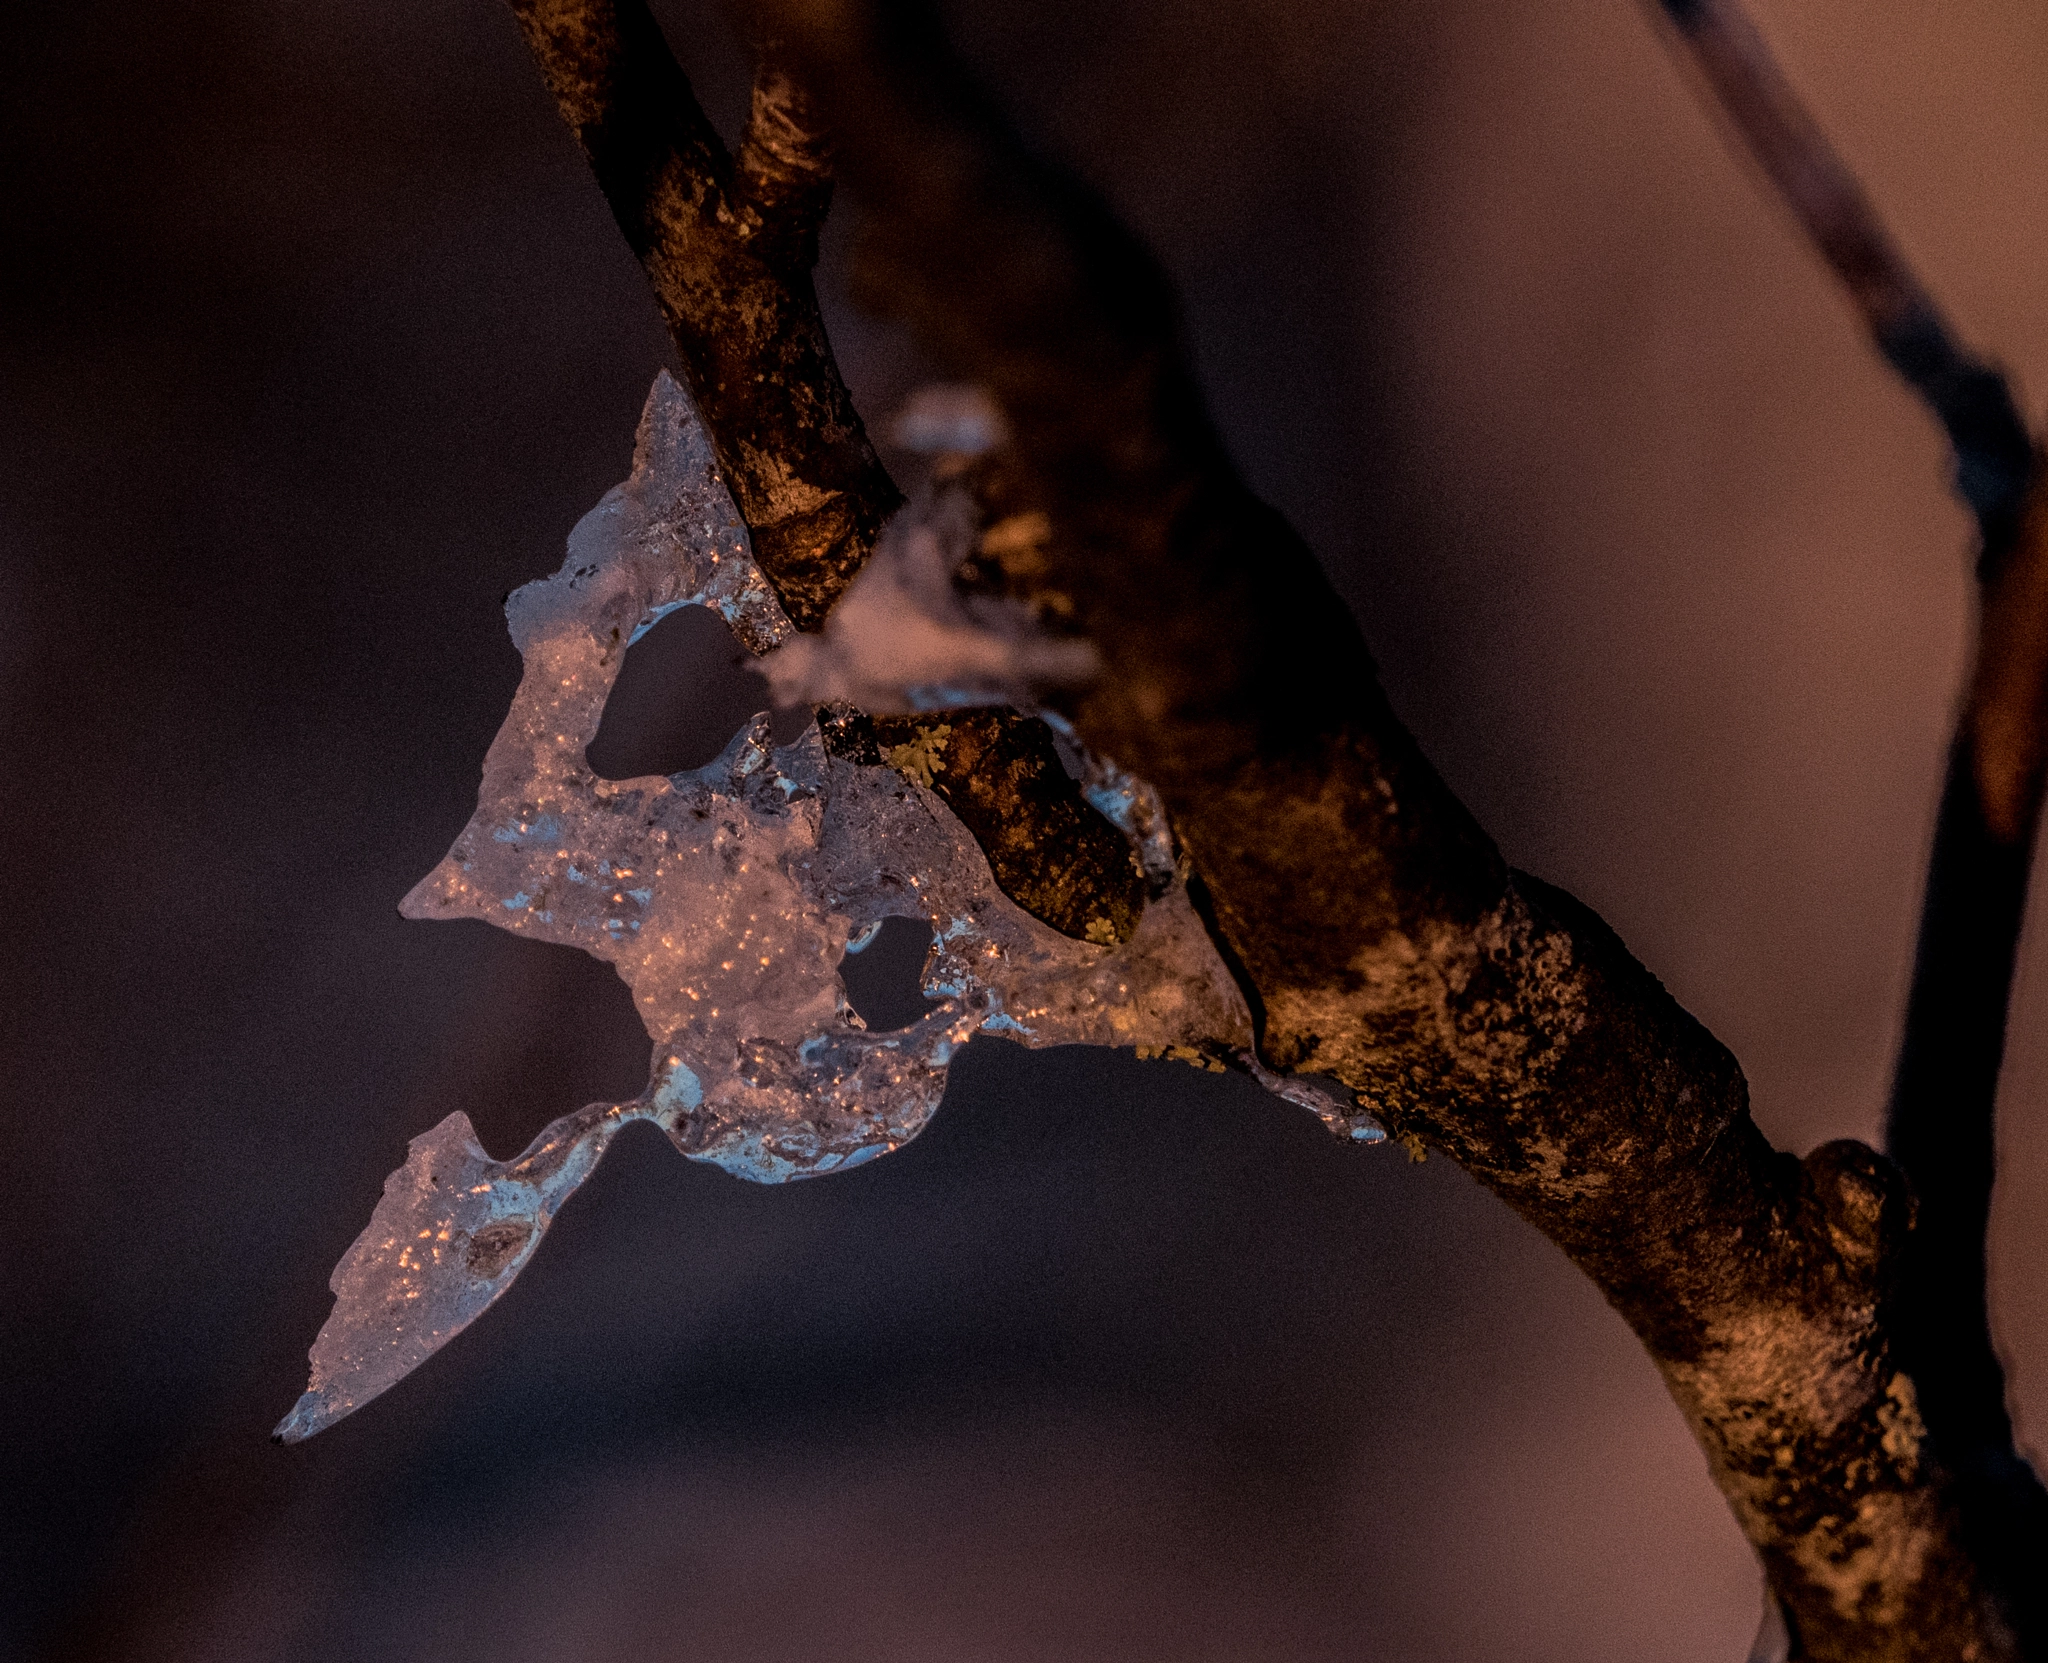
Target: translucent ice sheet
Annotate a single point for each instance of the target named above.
(726, 898)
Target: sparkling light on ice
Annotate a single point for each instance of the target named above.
(725, 898)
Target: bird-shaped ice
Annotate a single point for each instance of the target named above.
(726, 898)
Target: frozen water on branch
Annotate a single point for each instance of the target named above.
(725, 898)
(903, 639)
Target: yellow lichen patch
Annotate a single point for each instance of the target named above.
(1899, 1415)
(917, 757)
(1018, 541)
(1102, 932)
(1418, 1151)
(1181, 1053)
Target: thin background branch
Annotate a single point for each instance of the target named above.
(1940, 1124)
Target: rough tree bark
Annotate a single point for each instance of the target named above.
(728, 243)
(1380, 937)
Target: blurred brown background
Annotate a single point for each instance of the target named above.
(317, 339)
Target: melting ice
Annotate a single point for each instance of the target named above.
(725, 898)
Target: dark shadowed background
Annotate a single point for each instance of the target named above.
(317, 339)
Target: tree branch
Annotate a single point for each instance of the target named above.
(782, 182)
(1467, 1004)
(1002, 778)
(729, 244)
(1994, 457)
(1940, 1123)
(1940, 1127)
(729, 250)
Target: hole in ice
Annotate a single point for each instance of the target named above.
(884, 973)
(548, 1028)
(685, 689)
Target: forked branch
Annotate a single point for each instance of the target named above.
(728, 243)
(1386, 941)
(1472, 1006)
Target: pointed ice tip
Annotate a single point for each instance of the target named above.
(429, 898)
(312, 1413)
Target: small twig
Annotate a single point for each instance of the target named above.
(729, 250)
(729, 243)
(1940, 1125)
(1994, 456)
(1002, 778)
(2006, 719)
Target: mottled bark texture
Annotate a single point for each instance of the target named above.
(1472, 1006)
(1062, 861)
(729, 243)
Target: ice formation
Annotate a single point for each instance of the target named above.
(726, 898)
(903, 639)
